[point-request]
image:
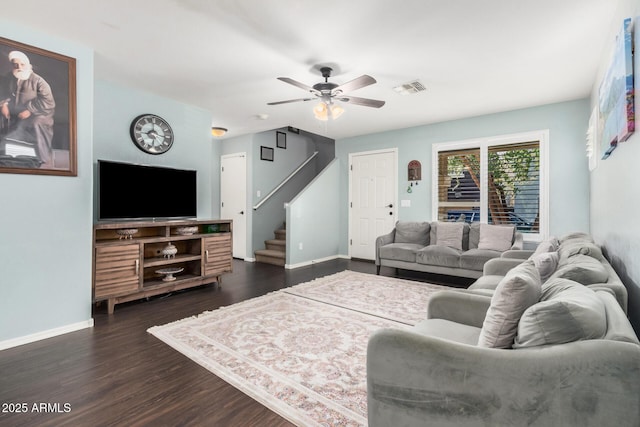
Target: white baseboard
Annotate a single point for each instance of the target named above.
(250, 260)
(314, 261)
(15, 342)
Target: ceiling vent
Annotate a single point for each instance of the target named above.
(409, 88)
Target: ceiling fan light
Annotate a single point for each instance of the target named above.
(336, 111)
(321, 111)
(218, 132)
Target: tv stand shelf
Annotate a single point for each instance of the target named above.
(127, 257)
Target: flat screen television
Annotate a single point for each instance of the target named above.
(128, 191)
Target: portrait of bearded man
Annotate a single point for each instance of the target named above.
(27, 108)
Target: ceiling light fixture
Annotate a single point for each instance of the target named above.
(324, 110)
(218, 132)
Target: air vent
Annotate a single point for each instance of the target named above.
(409, 88)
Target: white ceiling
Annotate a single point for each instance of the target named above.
(474, 56)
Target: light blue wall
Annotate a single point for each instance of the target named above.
(313, 218)
(615, 185)
(46, 223)
(193, 148)
(568, 174)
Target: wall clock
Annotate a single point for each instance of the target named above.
(152, 134)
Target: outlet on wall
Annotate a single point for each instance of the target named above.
(300, 246)
(258, 193)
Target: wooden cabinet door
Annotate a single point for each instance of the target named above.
(216, 254)
(117, 270)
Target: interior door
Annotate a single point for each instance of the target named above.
(233, 198)
(373, 204)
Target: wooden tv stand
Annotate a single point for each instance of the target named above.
(125, 266)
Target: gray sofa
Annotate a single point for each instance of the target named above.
(556, 353)
(455, 249)
(574, 256)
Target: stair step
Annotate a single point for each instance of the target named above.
(269, 256)
(276, 245)
(281, 234)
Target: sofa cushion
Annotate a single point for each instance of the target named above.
(549, 245)
(546, 263)
(400, 251)
(450, 234)
(572, 248)
(516, 292)
(412, 232)
(582, 269)
(474, 259)
(618, 326)
(567, 312)
(443, 256)
(496, 237)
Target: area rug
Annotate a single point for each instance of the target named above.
(395, 299)
(303, 358)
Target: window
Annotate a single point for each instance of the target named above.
(494, 181)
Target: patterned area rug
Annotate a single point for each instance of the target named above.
(301, 351)
(394, 299)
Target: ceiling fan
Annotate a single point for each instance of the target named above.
(327, 93)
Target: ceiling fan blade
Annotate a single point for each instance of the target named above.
(298, 84)
(362, 101)
(290, 100)
(354, 84)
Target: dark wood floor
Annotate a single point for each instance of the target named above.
(116, 374)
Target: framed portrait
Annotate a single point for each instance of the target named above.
(37, 111)
(281, 139)
(266, 153)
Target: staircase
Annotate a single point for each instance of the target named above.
(276, 249)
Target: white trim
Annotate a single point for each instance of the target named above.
(394, 151)
(50, 333)
(483, 144)
(249, 259)
(314, 261)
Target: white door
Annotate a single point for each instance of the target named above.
(233, 198)
(373, 204)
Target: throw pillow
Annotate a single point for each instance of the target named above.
(583, 269)
(516, 292)
(578, 236)
(549, 245)
(567, 312)
(412, 232)
(450, 234)
(496, 237)
(572, 248)
(546, 263)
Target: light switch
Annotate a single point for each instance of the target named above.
(405, 203)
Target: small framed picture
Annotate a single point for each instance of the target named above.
(266, 153)
(281, 140)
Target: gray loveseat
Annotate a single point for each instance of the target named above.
(532, 354)
(451, 248)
